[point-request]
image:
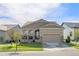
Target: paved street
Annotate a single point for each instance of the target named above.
(50, 52)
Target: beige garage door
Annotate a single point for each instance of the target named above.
(51, 38)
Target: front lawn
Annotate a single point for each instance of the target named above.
(21, 47)
(74, 44)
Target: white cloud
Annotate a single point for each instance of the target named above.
(20, 13)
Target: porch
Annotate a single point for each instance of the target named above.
(32, 36)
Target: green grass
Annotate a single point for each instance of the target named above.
(74, 44)
(21, 47)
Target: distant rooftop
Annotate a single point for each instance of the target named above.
(72, 25)
(7, 26)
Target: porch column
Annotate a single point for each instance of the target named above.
(34, 35)
(27, 35)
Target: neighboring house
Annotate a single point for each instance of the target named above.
(71, 30)
(6, 32)
(2, 34)
(43, 31)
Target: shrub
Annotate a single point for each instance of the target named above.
(68, 40)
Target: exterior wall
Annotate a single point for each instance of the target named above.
(67, 31)
(7, 37)
(27, 32)
(53, 31)
(2, 35)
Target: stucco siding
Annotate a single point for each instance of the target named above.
(67, 31)
(52, 30)
(2, 36)
(7, 37)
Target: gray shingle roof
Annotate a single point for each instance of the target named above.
(72, 25)
(42, 24)
(36, 23)
(52, 25)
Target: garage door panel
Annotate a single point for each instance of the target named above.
(51, 38)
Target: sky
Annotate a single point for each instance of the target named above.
(20, 13)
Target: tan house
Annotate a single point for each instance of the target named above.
(43, 31)
(6, 32)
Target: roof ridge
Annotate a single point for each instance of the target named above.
(40, 20)
(53, 23)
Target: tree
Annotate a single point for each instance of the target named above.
(76, 33)
(17, 37)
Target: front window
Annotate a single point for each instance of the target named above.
(37, 34)
(31, 33)
(30, 37)
(24, 37)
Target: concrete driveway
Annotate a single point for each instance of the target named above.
(52, 47)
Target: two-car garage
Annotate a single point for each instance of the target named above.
(52, 37)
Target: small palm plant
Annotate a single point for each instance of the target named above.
(68, 40)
